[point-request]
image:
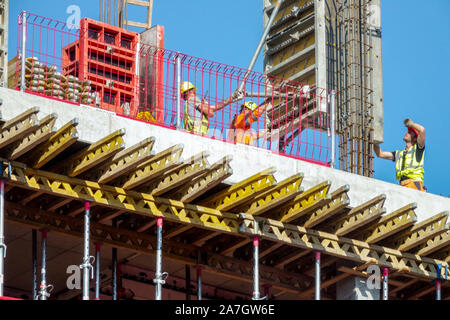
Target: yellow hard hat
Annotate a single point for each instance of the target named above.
(250, 105)
(186, 86)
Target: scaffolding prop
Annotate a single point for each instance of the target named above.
(87, 266)
(317, 278)
(34, 263)
(160, 277)
(97, 270)
(44, 289)
(256, 292)
(114, 266)
(385, 284)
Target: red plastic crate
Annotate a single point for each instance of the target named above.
(106, 56)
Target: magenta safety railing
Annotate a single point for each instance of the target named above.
(293, 119)
(296, 121)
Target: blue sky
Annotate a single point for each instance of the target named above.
(416, 59)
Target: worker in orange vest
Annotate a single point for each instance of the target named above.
(409, 162)
(241, 125)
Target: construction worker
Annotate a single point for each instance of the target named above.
(409, 163)
(241, 125)
(197, 111)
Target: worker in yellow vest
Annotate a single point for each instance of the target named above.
(197, 111)
(409, 162)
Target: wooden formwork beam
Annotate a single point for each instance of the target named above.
(339, 201)
(125, 161)
(218, 172)
(177, 176)
(19, 127)
(304, 203)
(60, 141)
(390, 224)
(92, 155)
(44, 131)
(359, 217)
(420, 232)
(241, 192)
(275, 196)
(152, 168)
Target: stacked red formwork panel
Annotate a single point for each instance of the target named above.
(106, 57)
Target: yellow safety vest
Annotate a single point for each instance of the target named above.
(406, 164)
(192, 126)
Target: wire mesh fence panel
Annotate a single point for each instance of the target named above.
(107, 67)
(202, 97)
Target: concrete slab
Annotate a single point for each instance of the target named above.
(95, 123)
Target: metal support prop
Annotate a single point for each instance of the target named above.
(438, 282)
(2, 234)
(97, 270)
(256, 294)
(188, 282)
(43, 293)
(86, 266)
(199, 283)
(159, 281)
(333, 128)
(385, 283)
(34, 262)
(317, 275)
(178, 116)
(24, 50)
(114, 267)
(261, 43)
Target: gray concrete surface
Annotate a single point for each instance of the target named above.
(94, 124)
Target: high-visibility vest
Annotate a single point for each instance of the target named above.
(242, 125)
(193, 126)
(406, 164)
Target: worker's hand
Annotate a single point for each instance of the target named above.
(408, 122)
(237, 95)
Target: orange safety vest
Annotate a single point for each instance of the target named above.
(241, 125)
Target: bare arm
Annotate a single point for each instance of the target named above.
(209, 109)
(382, 154)
(418, 127)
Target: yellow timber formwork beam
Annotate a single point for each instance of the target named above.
(125, 161)
(242, 192)
(146, 244)
(120, 199)
(153, 168)
(218, 172)
(359, 216)
(44, 131)
(331, 244)
(60, 141)
(277, 195)
(304, 203)
(175, 177)
(434, 244)
(339, 201)
(207, 218)
(390, 224)
(420, 233)
(92, 155)
(19, 127)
